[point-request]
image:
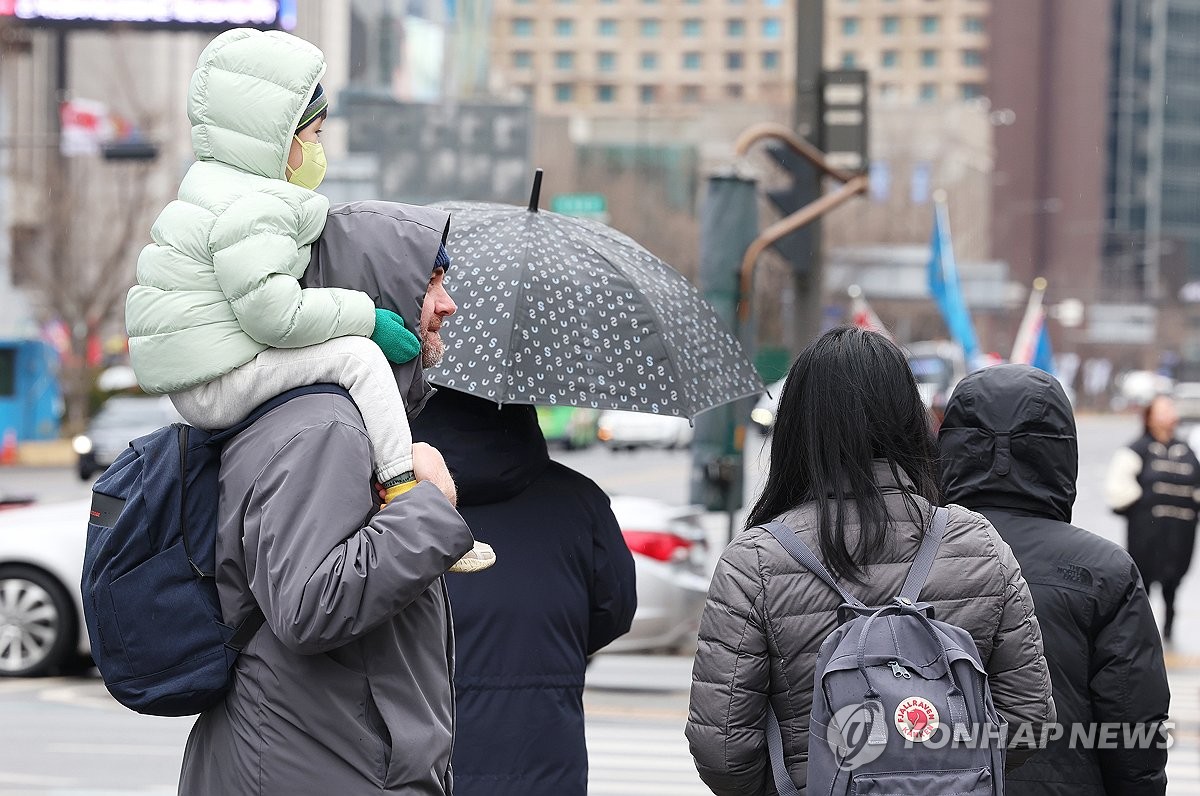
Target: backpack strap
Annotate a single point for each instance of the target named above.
(221, 437)
(918, 573)
(808, 559)
(783, 780)
(246, 629)
(804, 555)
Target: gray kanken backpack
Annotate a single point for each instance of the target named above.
(901, 703)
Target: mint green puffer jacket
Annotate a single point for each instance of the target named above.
(218, 284)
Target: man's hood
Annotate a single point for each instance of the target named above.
(386, 250)
(493, 452)
(1008, 441)
(246, 97)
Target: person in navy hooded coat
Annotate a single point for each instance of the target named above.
(562, 588)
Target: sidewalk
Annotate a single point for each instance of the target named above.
(48, 453)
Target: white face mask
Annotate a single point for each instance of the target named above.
(312, 165)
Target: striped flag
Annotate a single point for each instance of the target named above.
(862, 316)
(1032, 346)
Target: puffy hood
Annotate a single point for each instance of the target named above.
(493, 452)
(386, 250)
(246, 96)
(1008, 441)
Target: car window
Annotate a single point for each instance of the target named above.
(132, 412)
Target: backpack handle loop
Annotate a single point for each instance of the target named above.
(954, 696)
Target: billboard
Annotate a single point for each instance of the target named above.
(180, 14)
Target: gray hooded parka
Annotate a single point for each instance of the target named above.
(766, 617)
(347, 687)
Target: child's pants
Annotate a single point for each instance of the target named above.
(354, 362)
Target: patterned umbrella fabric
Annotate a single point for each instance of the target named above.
(562, 310)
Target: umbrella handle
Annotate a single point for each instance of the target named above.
(537, 191)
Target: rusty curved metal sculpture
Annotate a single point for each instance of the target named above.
(852, 185)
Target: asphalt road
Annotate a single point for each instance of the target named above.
(66, 737)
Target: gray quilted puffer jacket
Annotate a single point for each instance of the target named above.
(766, 617)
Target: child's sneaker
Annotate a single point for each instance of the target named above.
(481, 557)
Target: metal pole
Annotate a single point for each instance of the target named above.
(808, 277)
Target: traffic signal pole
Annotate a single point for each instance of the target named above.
(808, 275)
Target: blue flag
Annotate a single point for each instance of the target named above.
(944, 287)
(1043, 355)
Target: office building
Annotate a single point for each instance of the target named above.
(921, 51)
(629, 57)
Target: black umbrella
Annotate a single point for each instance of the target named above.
(562, 310)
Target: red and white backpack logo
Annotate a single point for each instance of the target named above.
(916, 719)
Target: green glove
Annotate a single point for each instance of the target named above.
(398, 343)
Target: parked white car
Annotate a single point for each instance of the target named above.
(41, 611)
(629, 430)
(670, 556)
(41, 565)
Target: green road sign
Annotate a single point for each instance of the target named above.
(584, 205)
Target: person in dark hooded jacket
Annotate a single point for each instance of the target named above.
(1009, 452)
(563, 588)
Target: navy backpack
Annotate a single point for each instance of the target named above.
(149, 590)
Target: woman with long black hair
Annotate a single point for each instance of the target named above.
(853, 474)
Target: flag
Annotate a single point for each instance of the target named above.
(944, 287)
(85, 126)
(1033, 342)
(1032, 346)
(862, 316)
(1043, 356)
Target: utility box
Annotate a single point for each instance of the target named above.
(30, 397)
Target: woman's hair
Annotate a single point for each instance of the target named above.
(849, 399)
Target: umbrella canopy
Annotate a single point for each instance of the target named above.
(562, 310)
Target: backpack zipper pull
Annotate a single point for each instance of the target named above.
(898, 670)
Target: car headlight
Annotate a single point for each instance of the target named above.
(762, 416)
(82, 444)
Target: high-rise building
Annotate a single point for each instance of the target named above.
(1047, 88)
(921, 51)
(629, 57)
(621, 57)
(1097, 183)
(1152, 190)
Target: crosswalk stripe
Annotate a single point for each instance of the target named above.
(652, 758)
(643, 760)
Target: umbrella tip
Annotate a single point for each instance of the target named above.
(537, 191)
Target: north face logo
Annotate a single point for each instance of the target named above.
(1075, 574)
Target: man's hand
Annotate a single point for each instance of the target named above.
(428, 465)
